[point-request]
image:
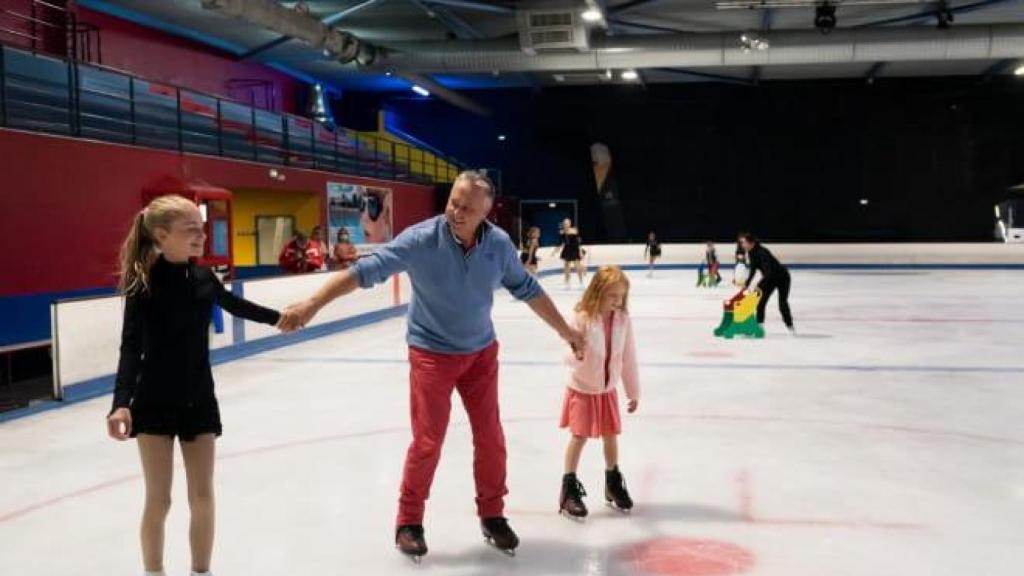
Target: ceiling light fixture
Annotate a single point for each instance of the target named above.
(751, 41)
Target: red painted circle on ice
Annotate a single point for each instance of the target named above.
(689, 557)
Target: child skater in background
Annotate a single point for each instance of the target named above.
(739, 272)
(711, 259)
(591, 405)
(164, 385)
(652, 251)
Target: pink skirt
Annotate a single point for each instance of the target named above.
(591, 415)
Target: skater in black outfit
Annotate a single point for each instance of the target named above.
(770, 275)
(528, 254)
(164, 385)
(571, 248)
(652, 251)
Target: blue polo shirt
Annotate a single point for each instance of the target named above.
(452, 289)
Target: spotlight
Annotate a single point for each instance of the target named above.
(825, 18)
(863, 201)
(501, 138)
(630, 75)
(592, 15)
(1019, 71)
(420, 90)
(750, 41)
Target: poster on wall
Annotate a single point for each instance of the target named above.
(363, 211)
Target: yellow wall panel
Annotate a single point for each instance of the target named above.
(305, 207)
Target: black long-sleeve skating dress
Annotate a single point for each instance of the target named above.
(164, 374)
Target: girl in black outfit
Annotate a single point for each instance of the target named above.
(772, 275)
(571, 247)
(652, 251)
(530, 246)
(164, 385)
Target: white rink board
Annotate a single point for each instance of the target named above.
(88, 331)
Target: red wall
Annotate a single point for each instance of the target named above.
(66, 204)
(153, 55)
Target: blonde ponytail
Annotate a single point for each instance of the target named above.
(139, 249)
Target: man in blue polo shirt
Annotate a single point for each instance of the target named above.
(455, 261)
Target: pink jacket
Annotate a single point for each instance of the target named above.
(587, 376)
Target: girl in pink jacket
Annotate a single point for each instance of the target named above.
(591, 405)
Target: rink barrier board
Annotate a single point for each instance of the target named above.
(240, 338)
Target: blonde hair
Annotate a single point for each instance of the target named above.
(605, 278)
(139, 249)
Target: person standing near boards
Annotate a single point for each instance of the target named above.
(571, 250)
(164, 385)
(652, 251)
(767, 274)
(531, 244)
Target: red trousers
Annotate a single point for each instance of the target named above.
(432, 377)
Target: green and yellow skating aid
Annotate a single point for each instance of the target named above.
(739, 316)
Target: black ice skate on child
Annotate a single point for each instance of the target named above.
(409, 541)
(499, 534)
(570, 503)
(615, 493)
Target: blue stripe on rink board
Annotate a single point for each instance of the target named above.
(820, 266)
(698, 365)
(238, 324)
(104, 385)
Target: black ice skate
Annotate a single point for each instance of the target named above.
(570, 503)
(409, 541)
(499, 534)
(615, 493)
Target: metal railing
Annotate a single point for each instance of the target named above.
(61, 96)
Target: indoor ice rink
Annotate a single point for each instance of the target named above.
(182, 178)
(883, 438)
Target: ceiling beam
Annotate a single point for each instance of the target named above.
(873, 72)
(257, 50)
(766, 25)
(453, 22)
(631, 5)
(766, 20)
(492, 7)
(706, 76)
(327, 20)
(648, 27)
(998, 67)
(933, 13)
(450, 96)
